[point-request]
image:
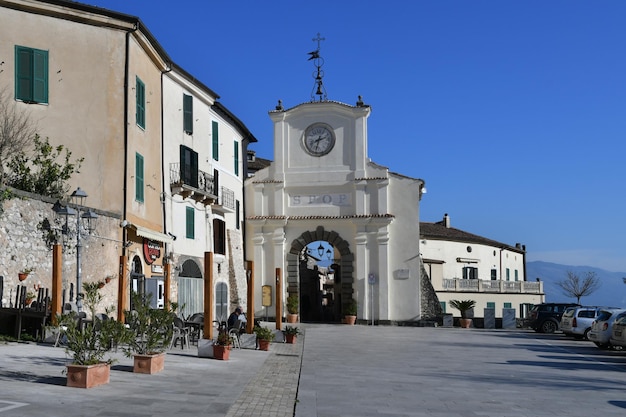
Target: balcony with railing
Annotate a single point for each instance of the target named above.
(492, 286)
(201, 186)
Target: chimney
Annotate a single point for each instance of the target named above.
(446, 220)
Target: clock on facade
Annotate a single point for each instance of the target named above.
(319, 139)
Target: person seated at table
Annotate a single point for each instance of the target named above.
(234, 317)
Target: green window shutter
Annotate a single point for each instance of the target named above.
(31, 74)
(188, 166)
(516, 275)
(237, 214)
(139, 177)
(491, 304)
(236, 154)
(140, 98)
(187, 114)
(507, 305)
(216, 142)
(508, 274)
(40, 76)
(443, 306)
(190, 222)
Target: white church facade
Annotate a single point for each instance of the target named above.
(321, 186)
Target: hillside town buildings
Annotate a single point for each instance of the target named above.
(181, 198)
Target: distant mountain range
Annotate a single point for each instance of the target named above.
(612, 291)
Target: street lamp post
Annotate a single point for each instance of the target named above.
(81, 212)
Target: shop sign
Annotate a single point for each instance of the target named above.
(151, 250)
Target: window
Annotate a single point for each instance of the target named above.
(187, 114)
(508, 274)
(507, 305)
(443, 306)
(494, 274)
(216, 141)
(188, 166)
(219, 236)
(139, 177)
(491, 304)
(190, 223)
(470, 272)
(236, 157)
(140, 99)
(31, 75)
(221, 301)
(516, 275)
(237, 214)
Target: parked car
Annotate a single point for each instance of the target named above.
(576, 321)
(601, 328)
(618, 333)
(546, 317)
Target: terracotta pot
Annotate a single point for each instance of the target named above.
(22, 276)
(107, 279)
(221, 352)
(290, 338)
(88, 376)
(292, 318)
(465, 323)
(149, 364)
(101, 285)
(349, 320)
(264, 344)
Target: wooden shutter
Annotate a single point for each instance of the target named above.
(187, 114)
(139, 177)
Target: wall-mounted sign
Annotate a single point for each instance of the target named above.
(151, 250)
(371, 279)
(266, 295)
(308, 200)
(403, 273)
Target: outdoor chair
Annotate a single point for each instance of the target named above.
(181, 333)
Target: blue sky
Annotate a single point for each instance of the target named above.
(513, 112)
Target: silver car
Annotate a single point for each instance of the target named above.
(576, 321)
(600, 332)
(618, 332)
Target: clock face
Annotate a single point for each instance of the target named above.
(319, 139)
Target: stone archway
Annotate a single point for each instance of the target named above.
(345, 265)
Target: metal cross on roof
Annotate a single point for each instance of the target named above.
(318, 74)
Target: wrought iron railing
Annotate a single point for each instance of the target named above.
(204, 182)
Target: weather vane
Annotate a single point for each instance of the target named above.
(318, 74)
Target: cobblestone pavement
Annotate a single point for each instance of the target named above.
(274, 388)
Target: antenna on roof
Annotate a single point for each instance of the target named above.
(318, 74)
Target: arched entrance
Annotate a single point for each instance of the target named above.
(190, 288)
(307, 283)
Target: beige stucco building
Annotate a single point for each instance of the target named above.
(97, 82)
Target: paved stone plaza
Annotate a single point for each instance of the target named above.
(342, 371)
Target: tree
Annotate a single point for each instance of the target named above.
(16, 131)
(40, 173)
(574, 286)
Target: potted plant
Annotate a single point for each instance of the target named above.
(291, 332)
(222, 346)
(151, 331)
(292, 308)
(264, 337)
(30, 297)
(88, 344)
(350, 312)
(463, 306)
(23, 274)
